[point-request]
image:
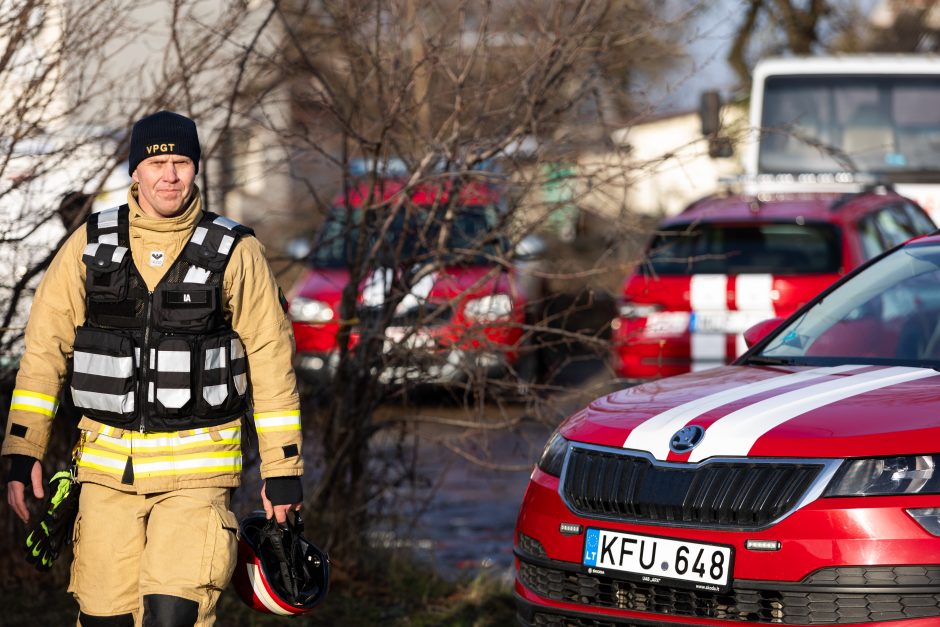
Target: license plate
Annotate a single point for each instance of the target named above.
(653, 559)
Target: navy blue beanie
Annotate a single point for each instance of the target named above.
(163, 133)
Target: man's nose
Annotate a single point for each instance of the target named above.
(169, 173)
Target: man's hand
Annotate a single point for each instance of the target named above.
(278, 511)
(16, 492)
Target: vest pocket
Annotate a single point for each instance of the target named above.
(107, 275)
(104, 374)
(172, 364)
(223, 375)
(187, 307)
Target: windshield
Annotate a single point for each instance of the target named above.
(774, 248)
(827, 124)
(470, 237)
(887, 314)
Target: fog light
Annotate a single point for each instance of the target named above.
(762, 545)
(928, 518)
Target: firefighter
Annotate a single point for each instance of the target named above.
(167, 323)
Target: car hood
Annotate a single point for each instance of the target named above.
(736, 411)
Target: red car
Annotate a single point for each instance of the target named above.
(465, 308)
(798, 486)
(727, 262)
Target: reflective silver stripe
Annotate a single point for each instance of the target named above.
(91, 249)
(215, 394)
(196, 275)
(238, 349)
(241, 383)
(153, 356)
(226, 245)
(173, 398)
(136, 355)
(118, 255)
(103, 365)
(199, 235)
(150, 392)
(108, 219)
(108, 238)
(734, 434)
(215, 358)
(173, 361)
(108, 402)
(226, 222)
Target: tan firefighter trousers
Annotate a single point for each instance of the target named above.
(127, 546)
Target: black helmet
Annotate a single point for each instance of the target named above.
(278, 571)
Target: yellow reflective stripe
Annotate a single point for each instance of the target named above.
(277, 421)
(126, 447)
(230, 461)
(91, 449)
(188, 464)
(233, 468)
(283, 412)
(101, 461)
(34, 401)
(295, 427)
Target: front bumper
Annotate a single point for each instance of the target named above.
(841, 562)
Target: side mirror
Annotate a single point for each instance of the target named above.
(299, 248)
(709, 112)
(761, 330)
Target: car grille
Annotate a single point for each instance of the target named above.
(541, 619)
(425, 316)
(720, 494)
(739, 604)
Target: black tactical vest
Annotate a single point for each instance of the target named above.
(166, 360)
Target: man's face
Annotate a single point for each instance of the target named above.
(166, 182)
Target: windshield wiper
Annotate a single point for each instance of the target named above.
(761, 360)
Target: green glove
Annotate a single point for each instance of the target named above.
(45, 539)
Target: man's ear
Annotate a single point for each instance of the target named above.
(134, 176)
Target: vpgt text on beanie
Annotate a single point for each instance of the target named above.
(163, 133)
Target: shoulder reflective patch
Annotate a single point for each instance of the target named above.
(654, 434)
(108, 219)
(226, 222)
(736, 433)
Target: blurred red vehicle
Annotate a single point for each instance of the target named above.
(728, 262)
(460, 306)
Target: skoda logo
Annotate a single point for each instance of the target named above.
(686, 439)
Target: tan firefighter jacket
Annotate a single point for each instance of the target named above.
(157, 462)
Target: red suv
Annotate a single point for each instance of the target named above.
(727, 262)
(798, 486)
(464, 311)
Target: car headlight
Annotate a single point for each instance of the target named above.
(883, 476)
(634, 310)
(310, 310)
(489, 308)
(553, 457)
